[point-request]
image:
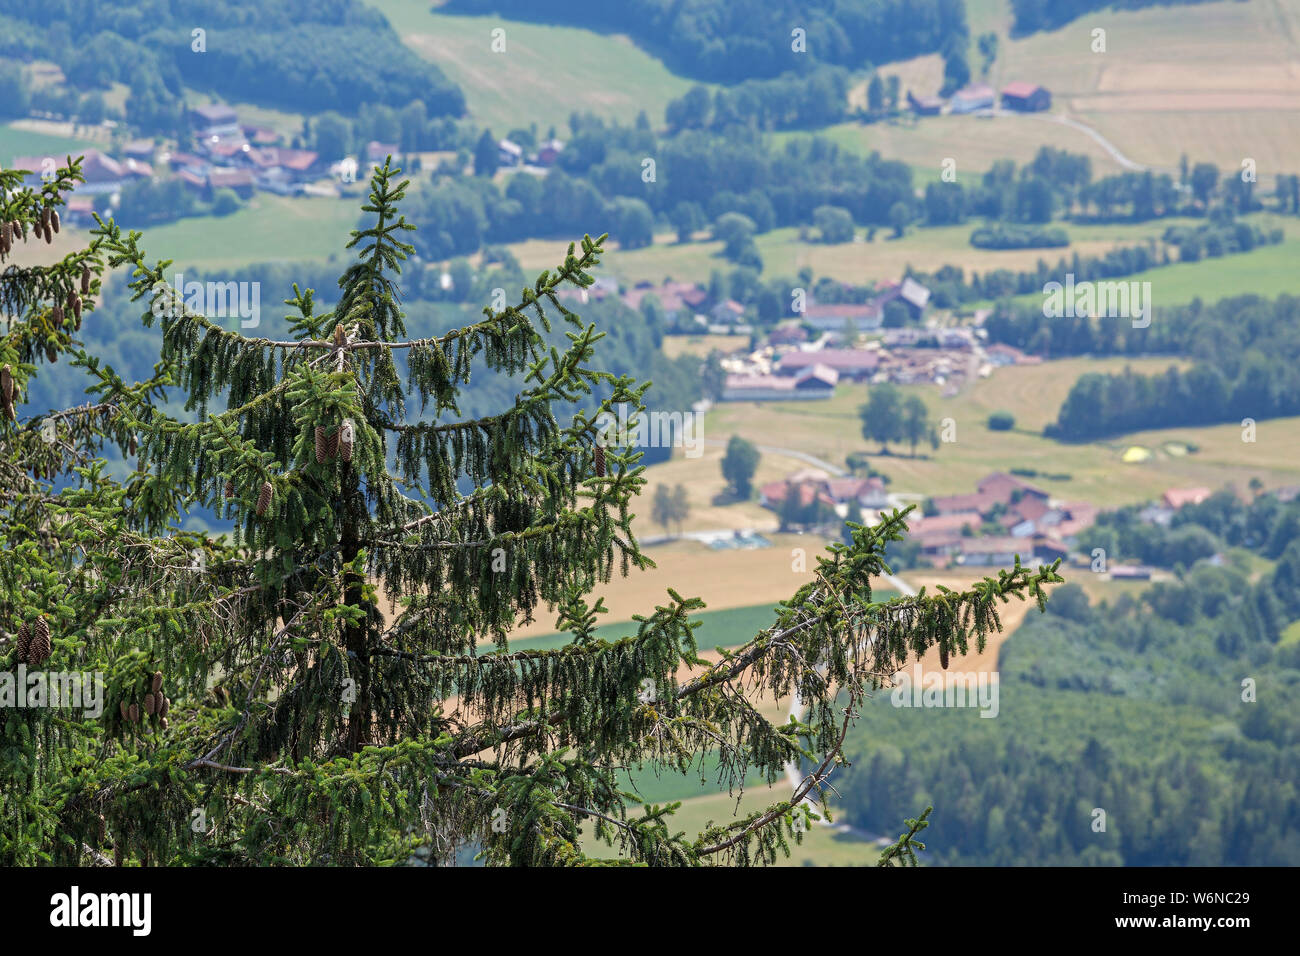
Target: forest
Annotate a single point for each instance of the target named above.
(1174, 712)
(297, 55)
(727, 41)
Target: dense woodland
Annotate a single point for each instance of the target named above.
(1134, 707)
(1244, 352)
(297, 54)
(1030, 16)
(727, 41)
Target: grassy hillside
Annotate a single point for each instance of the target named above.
(546, 73)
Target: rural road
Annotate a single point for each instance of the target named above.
(1131, 165)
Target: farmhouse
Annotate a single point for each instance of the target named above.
(910, 292)
(813, 483)
(509, 153)
(969, 99)
(549, 152)
(1176, 498)
(242, 181)
(817, 382)
(1025, 97)
(214, 119)
(854, 364)
(924, 105)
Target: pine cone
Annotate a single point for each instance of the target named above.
(133, 713)
(45, 216)
(600, 461)
(943, 654)
(56, 314)
(24, 642)
(49, 235)
(7, 392)
(322, 445)
(155, 685)
(333, 447)
(264, 498)
(230, 488)
(54, 219)
(126, 712)
(18, 228)
(162, 722)
(150, 704)
(132, 446)
(340, 337)
(85, 278)
(345, 441)
(74, 306)
(164, 707)
(38, 651)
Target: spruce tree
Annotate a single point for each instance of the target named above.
(332, 682)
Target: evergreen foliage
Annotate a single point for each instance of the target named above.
(333, 682)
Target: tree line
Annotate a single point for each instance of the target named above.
(727, 41)
(1244, 351)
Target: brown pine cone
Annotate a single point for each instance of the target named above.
(162, 722)
(600, 461)
(264, 498)
(51, 353)
(24, 642)
(340, 337)
(165, 706)
(126, 711)
(133, 713)
(54, 219)
(20, 229)
(57, 315)
(333, 448)
(230, 488)
(155, 685)
(49, 235)
(7, 392)
(345, 441)
(943, 654)
(45, 216)
(38, 651)
(322, 445)
(150, 704)
(74, 306)
(85, 278)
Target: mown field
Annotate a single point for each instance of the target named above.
(884, 258)
(545, 74)
(1217, 81)
(1033, 394)
(33, 138)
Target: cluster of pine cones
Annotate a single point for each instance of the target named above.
(334, 444)
(155, 704)
(34, 646)
(45, 228)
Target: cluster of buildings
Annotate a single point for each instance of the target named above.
(223, 154)
(1033, 524)
(511, 155)
(837, 494)
(1020, 96)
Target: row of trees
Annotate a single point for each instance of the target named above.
(727, 41)
(1245, 352)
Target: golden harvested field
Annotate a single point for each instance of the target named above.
(724, 579)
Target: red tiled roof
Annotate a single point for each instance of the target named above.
(1020, 89)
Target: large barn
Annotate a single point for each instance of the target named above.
(1025, 97)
